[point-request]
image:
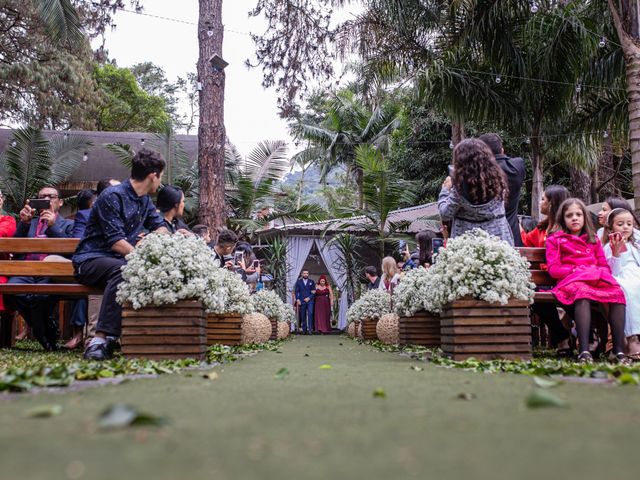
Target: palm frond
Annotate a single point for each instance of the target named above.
(123, 152)
(66, 155)
(61, 19)
(268, 160)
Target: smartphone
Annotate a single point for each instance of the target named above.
(40, 203)
(256, 263)
(617, 236)
(402, 245)
(436, 244)
(451, 170)
(237, 257)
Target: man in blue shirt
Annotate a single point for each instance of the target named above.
(117, 219)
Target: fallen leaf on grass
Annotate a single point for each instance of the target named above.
(545, 382)
(416, 368)
(44, 411)
(542, 398)
(325, 367)
(121, 416)
(282, 373)
(210, 375)
(379, 393)
(466, 396)
(306, 354)
(629, 379)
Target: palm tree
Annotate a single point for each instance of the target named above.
(61, 20)
(32, 162)
(348, 123)
(382, 193)
(251, 198)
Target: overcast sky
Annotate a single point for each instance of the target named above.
(250, 110)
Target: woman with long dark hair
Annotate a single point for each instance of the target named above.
(552, 198)
(170, 202)
(323, 303)
(474, 196)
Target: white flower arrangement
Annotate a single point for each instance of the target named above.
(476, 265)
(164, 269)
(234, 293)
(372, 305)
(413, 293)
(268, 303)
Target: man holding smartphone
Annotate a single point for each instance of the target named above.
(43, 221)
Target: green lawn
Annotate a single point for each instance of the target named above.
(326, 423)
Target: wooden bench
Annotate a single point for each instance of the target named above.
(536, 257)
(61, 273)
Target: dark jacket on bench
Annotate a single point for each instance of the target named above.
(61, 228)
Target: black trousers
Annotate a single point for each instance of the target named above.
(548, 314)
(104, 272)
(36, 310)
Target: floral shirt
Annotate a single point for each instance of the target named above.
(118, 214)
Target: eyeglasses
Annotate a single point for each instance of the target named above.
(48, 196)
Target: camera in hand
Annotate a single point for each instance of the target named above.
(40, 204)
(436, 244)
(451, 170)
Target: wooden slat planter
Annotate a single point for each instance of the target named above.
(421, 329)
(274, 329)
(166, 332)
(224, 329)
(486, 331)
(369, 329)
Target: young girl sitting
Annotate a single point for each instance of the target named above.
(623, 255)
(576, 259)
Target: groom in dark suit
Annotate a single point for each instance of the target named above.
(305, 290)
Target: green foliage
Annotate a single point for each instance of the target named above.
(126, 106)
(538, 367)
(277, 265)
(227, 353)
(34, 162)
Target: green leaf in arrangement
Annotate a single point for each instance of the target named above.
(282, 373)
(543, 382)
(542, 398)
(122, 416)
(44, 411)
(379, 393)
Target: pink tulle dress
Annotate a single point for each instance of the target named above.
(581, 269)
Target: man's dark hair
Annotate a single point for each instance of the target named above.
(103, 185)
(494, 141)
(199, 229)
(145, 162)
(227, 237)
(85, 199)
(370, 270)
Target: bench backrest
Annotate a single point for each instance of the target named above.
(536, 257)
(52, 246)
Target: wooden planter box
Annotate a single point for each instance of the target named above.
(369, 329)
(274, 329)
(166, 332)
(421, 329)
(486, 331)
(224, 329)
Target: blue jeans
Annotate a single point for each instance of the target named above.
(79, 312)
(306, 316)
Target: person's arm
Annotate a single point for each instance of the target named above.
(448, 204)
(108, 215)
(330, 297)
(7, 226)
(153, 221)
(554, 260)
(80, 224)
(612, 260)
(601, 259)
(122, 247)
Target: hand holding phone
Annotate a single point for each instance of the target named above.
(618, 245)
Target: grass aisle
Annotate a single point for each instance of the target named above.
(325, 423)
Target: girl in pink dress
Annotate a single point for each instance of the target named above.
(576, 259)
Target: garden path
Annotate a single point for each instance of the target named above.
(326, 423)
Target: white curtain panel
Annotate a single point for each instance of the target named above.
(332, 258)
(298, 249)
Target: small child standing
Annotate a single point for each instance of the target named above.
(623, 255)
(576, 259)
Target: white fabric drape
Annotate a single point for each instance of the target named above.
(332, 258)
(298, 249)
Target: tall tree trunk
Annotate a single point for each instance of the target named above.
(457, 131)
(580, 184)
(606, 178)
(628, 33)
(211, 132)
(537, 187)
